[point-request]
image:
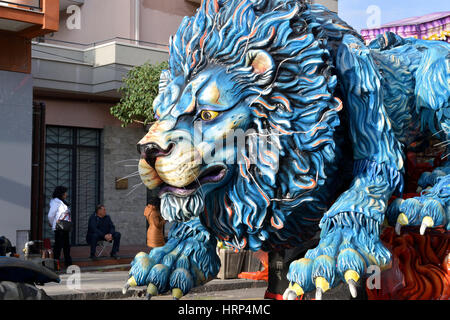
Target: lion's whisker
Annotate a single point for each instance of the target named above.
(442, 142)
(136, 173)
(134, 188)
(201, 188)
(126, 160)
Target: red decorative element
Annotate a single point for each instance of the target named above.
(420, 267)
(258, 275)
(416, 167)
(447, 263)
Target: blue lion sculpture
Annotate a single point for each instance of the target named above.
(321, 121)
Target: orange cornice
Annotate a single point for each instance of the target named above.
(11, 13)
(18, 56)
(43, 22)
(51, 15)
(31, 32)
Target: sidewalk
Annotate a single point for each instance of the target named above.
(108, 285)
(80, 256)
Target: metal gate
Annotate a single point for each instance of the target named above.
(72, 159)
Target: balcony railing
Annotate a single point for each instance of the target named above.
(85, 46)
(23, 4)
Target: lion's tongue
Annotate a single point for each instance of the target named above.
(213, 177)
(178, 191)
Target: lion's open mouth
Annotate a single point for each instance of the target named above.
(213, 174)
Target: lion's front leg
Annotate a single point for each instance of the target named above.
(350, 229)
(349, 241)
(187, 260)
(430, 209)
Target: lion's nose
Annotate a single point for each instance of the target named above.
(151, 151)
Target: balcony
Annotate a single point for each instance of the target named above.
(23, 4)
(66, 68)
(29, 18)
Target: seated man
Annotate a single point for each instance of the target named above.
(101, 228)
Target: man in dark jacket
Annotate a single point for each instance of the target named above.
(101, 228)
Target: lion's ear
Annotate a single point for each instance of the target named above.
(262, 65)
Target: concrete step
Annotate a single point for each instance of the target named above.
(108, 285)
(80, 256)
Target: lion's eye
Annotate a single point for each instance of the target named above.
(208, 115)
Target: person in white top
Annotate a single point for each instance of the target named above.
(59, 210)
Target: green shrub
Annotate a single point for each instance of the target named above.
(139, 89)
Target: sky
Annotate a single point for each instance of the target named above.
(354, 11)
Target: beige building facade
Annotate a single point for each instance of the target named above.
(76, 73)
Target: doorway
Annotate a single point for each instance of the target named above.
(72, 159)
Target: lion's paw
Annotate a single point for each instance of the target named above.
(429, 179)
(178, 266)
(418, 211)
(342, 255)
(431, 209)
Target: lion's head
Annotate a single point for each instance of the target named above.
(255, 71)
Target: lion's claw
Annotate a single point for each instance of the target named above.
(289, 294)
(324, 270)
(177, 293)
(127, 285)
(152, 291)
(300, 275)
(402, 220)
(322, 286)
(352, 288)
(352, 277)
(176, 266)
(425, 211)
(427, 222)
(340, 256)
(432, 214)
(293, 291)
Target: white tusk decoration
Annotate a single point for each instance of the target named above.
(398, 228)
(319, 294)
(352, 288)
(289, 294)
(125, 288)
(427, 222)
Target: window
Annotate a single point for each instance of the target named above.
(72, 159)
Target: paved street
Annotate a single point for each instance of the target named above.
(239, 294)
(108, 285)
(89, 281)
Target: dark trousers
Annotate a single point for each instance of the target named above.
(62, 241)
(92, 240)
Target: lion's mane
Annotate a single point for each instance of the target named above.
(277, 199)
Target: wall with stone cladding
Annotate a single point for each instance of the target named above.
(126, 210)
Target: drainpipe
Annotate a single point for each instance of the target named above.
(137, 20)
